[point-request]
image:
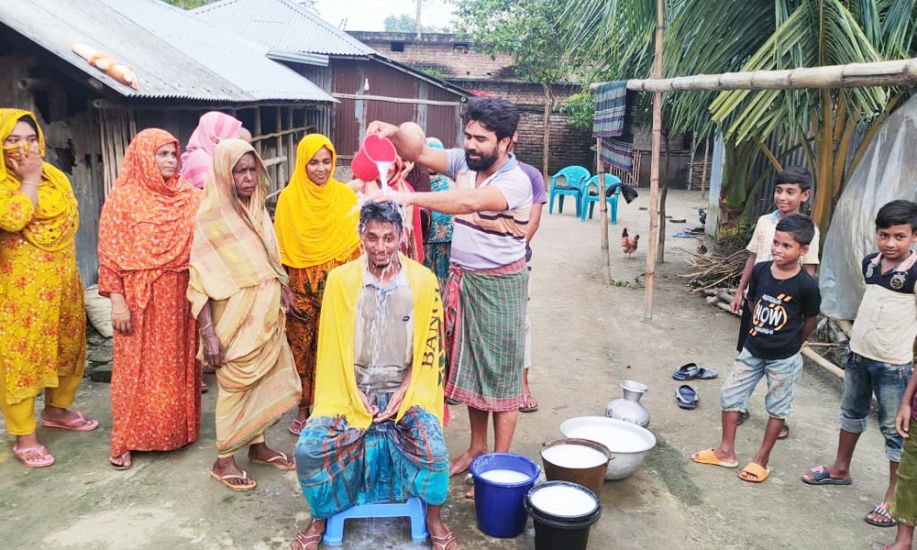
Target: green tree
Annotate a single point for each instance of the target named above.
(527, 30)
(406, 23)
(714, 36)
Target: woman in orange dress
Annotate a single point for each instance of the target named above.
(144, 250)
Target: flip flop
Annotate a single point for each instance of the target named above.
(276, 461)
(444, 543)
(881, 510)
(754, 469)
(686, 397)
(821, 476)
(125, 464)
(80, 424)
(708, 456)
(529, 403)
(297, 425)
(224, 479)
(691, 371)
(307, 542)
(34, 457)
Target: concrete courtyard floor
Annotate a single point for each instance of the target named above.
(588, 336)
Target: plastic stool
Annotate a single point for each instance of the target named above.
(412, 508)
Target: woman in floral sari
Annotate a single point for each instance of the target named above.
(316, 222)
(144, 247)
(239, 294)
(42, 323)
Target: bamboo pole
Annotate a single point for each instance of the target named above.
(600, 171)
(654, 167)
(811, 355)
(901, 72)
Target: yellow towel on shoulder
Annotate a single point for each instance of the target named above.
(336, 392)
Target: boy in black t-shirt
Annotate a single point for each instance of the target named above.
(785, 302)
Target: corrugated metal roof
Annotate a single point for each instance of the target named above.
(283, 26)
(173, 54)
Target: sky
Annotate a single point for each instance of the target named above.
(367, 15)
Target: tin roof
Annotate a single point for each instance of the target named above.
(174, 55)
(283, 26)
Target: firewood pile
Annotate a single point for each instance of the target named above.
(716, 273)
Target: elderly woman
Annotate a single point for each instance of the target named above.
(212, 128)
(144, 248)
(239, 295)
(316, 222)
(42, 323)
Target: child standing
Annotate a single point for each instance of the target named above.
(880, 357)
(785, 302)
(793, 188)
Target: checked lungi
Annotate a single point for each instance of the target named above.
(340, 467)
(485, 336)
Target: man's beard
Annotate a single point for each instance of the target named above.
(480, 164)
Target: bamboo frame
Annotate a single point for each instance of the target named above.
(398, 100)
(901, 72)
(603, 208)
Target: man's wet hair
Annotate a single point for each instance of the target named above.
(382, 212)
(497, 115)
(897, 212)
(799, 226)
(797, 175)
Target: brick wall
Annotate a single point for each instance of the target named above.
(450, 54)
(569, 145)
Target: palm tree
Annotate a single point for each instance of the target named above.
(715, 36)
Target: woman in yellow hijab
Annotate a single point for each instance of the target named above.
(316, 223)
(42, 322)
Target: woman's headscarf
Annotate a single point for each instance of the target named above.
(146, 223)
(56, 218)
(196, 161)
(234, 244)
(316, 223)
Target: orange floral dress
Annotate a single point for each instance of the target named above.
(144, 250)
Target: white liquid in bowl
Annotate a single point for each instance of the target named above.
(617, 440)
(505, 476)
(563, 501)
(574, 456)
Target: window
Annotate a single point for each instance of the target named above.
(397, 46)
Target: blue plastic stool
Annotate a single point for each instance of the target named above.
(412, 508)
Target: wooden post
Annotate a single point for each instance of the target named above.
(278, 128)
(291, 148)
(703, 178)
(654, 167)
(603, 207)
(691, 162)
(257, 132)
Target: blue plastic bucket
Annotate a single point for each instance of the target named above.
(499, 504)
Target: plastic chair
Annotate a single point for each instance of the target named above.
(590, 200)
(412, 508)
(574, 179)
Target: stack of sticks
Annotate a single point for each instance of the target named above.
(715, 271)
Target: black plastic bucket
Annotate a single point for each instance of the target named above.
(561, 532)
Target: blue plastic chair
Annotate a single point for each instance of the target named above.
(590, 200)
(574, 178)
(412, 508)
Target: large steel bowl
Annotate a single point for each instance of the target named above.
(629, 444)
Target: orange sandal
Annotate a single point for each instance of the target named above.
(759, 472)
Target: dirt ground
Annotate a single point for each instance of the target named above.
(588, 336)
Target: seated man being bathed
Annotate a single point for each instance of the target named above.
(375, 434)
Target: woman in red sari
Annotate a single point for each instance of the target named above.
(144, 250)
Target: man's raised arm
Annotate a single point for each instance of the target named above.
(410, 142)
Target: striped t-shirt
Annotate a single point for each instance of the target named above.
(488, 240)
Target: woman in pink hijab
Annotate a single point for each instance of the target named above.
(212, 128)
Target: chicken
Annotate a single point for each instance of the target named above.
(628, 243)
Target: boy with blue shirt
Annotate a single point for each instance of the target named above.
(880, 357)
(784, 302)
